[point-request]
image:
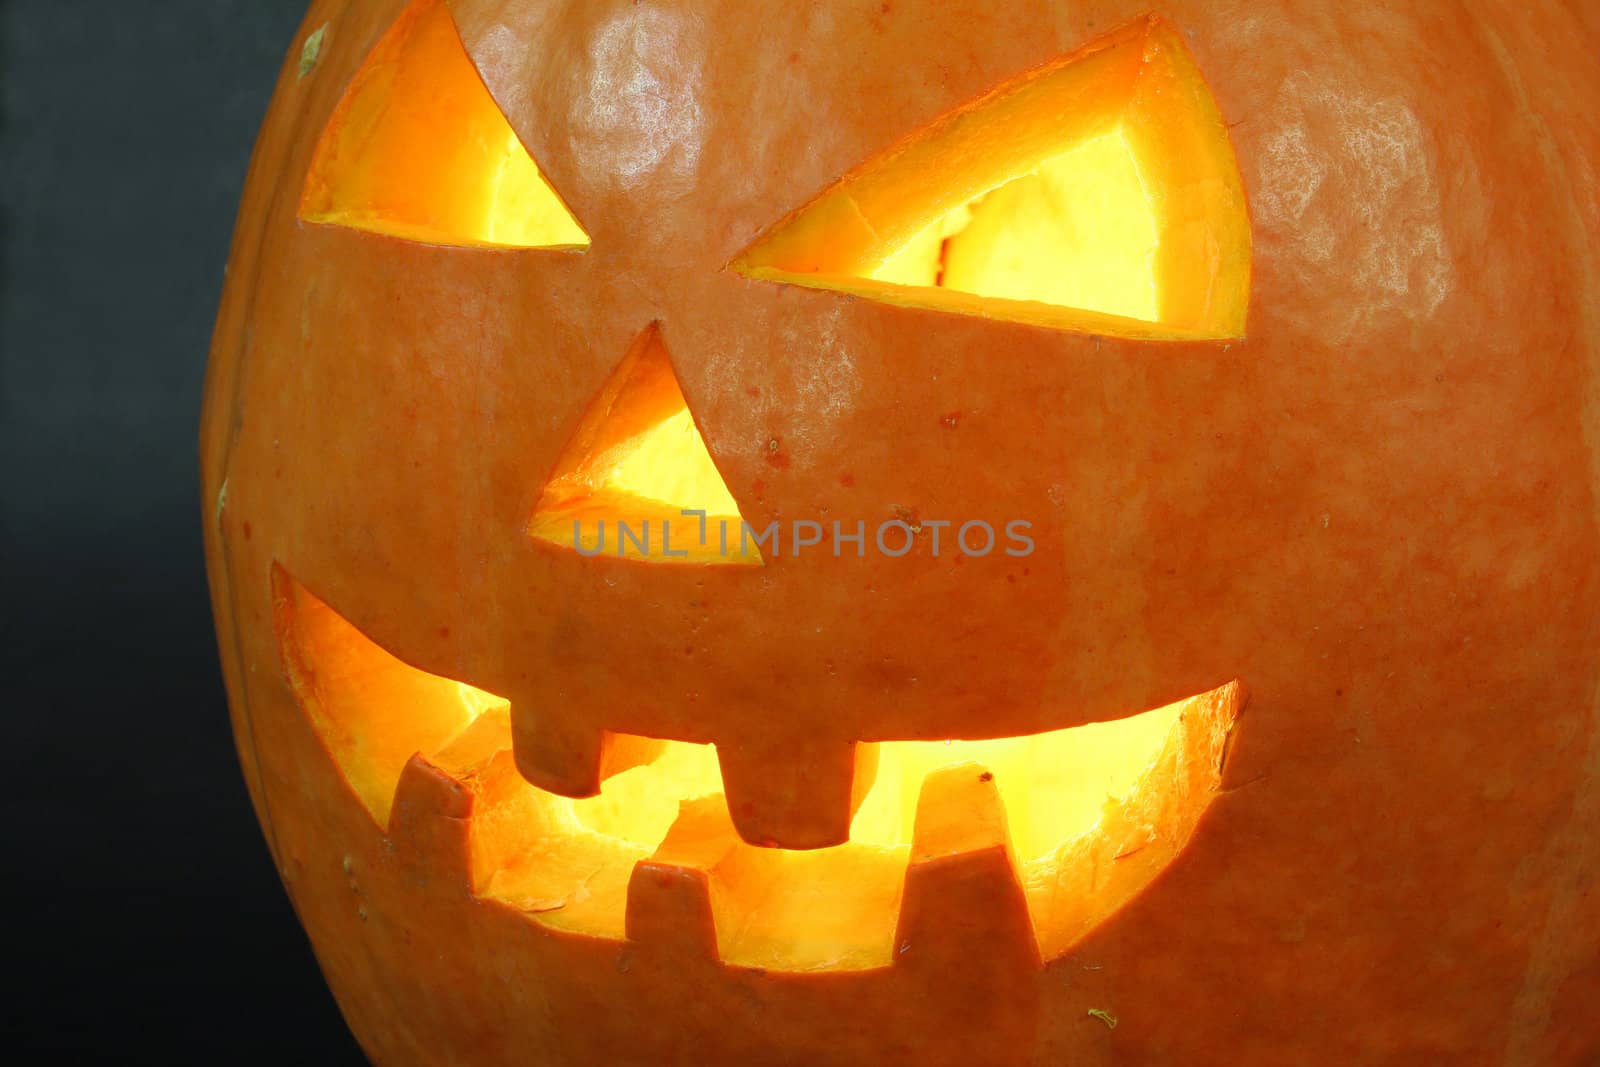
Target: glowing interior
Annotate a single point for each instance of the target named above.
(418, 149)
(1095, 812)
(636, 463)
(1099, 193)
(1078, 232)
(1055, 785)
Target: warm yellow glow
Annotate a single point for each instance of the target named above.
(343, 680)
(635, 465)
(640, 804)
(418, 149)
(1055, 785)
(1098, 194)
(1079, 232)
(1094, 812)
(833, 909)
(1072, 797)
(668, 463)
(476, 702)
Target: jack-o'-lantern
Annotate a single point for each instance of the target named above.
(888, 532)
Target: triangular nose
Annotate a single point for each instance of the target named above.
(637, 480)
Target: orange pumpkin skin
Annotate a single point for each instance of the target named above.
(1377, 511)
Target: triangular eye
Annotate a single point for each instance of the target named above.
(635, 465)
(1098, 193)
(418, 149)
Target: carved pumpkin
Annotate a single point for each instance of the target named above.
(888, 532)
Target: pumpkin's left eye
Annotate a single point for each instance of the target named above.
(418, 149)
(1098, 193)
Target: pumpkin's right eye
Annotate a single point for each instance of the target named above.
(418, 149)
(1099, 193)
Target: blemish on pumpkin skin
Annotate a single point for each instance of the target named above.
(311, 52)
(847, 480)
(952, 420)
(1104, 1016)
(642, 110)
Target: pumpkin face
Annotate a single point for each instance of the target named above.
(752, 533)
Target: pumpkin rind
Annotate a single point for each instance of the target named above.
(1377, 510)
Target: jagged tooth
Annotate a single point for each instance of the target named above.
(669, 895)
(782, 795)
(572, 760)
(430, 823)
(963, 900)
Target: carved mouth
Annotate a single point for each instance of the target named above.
(1060, 829)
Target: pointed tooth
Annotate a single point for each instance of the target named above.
(963, 900)
(430, 824)
(796, 796)
(669, 895)
(573, 759)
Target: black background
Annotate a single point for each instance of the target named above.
(144, 922)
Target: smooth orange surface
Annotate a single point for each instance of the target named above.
(1376, 509)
